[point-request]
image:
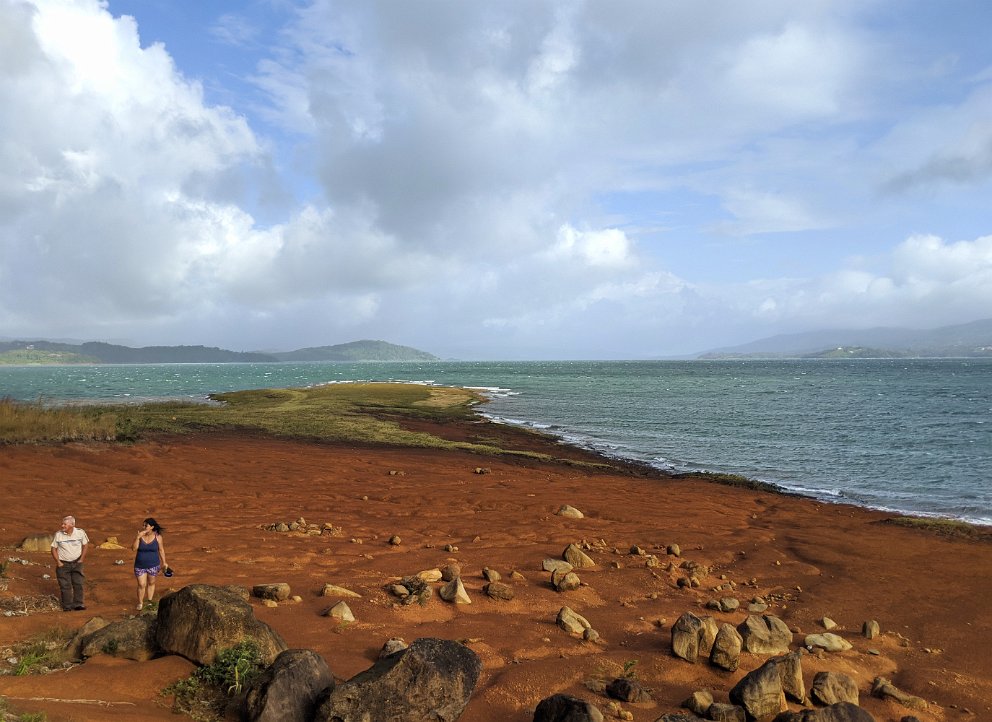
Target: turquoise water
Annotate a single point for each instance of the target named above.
(906, 435)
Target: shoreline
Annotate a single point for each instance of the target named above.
(216, 491)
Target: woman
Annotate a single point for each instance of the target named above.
(149, 559)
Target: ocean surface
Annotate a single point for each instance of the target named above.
(912, 436)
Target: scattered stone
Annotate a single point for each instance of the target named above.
(721, 712)
(550, 565)
(832, 687)
(590, 635)
(396, 472)
(577, 558)
(392, 646)
(454, 591)
(278, 592)
(563, 708)
(565, 581)
(673, 550)
(517, 576)
(450, 571)
(200, 620)
(491, 575)
(499, 590)
(729, 604)
(827, 641)
(270, 603)
(828, 623)
(450, 548)
(569, 512)
(870, 629)
(341, 612)
(483, 470)
(766, 634)
(111, 543)
(757, 608)
(429, 575)
(399, 590)
(613, 709)
(395, 540)
(699, 702)
(884, 689)
(637, 551)
(727, 647)
(572, 622)
(290, 688)
(331, 590)
(626, 689)
(430, 680)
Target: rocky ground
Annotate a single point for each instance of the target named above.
(384, 514)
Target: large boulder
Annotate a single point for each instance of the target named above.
(766, 634)
(563, 708)
(132, 638)
(840, 712)
(199, 621)
(790, 669)
(432, 679)
(727, 648)
(290, 689)
(833, 687)
(74, 647)
(693, 636)
(36, 543)
(760, 692)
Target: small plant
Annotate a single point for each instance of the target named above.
(110, 647)
(205, 694)
(29, 662)
(33, 717)
(628, 669)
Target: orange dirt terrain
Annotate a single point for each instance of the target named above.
(216, 492)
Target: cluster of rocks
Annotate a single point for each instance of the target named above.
(417, 587)
(301, 526)
(429, 679)
(563, 577)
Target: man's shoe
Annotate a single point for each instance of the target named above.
(79, 608)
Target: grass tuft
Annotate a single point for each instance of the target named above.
(207, 693)
(943, 527)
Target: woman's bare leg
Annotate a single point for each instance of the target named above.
(142, 582)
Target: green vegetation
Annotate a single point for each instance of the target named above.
(30, 422)
(7, 714)
(372, 414)
(207, 693)
(40, 654)
(35, 357)
(737, 480)
(943, 527)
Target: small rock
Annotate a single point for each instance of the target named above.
(569, 512)
(870, 629)
(395, 540)
(498, 590)
(828, 623)
(340, 611)
(572, 622)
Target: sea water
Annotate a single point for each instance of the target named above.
(912, 436)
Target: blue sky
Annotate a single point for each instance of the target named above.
(498, 180)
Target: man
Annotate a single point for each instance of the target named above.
(69, 551)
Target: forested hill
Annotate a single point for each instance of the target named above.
(94, 352)
(357, 351)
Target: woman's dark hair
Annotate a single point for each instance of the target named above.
(154, 525)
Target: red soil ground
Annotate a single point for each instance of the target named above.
(215, 492)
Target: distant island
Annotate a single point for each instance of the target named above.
(94, 352)
(968, 340)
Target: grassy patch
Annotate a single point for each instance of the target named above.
(736, 480)
(943, 527)
(41, 654)
(207, 694)
(32, 422)
(355, 413)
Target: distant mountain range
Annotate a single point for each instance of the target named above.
(968, 340)
(54, 352)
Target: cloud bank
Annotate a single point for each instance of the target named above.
(511, 180)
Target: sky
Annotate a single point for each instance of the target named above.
(514, 179)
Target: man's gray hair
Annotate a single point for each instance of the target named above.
(70, 519)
